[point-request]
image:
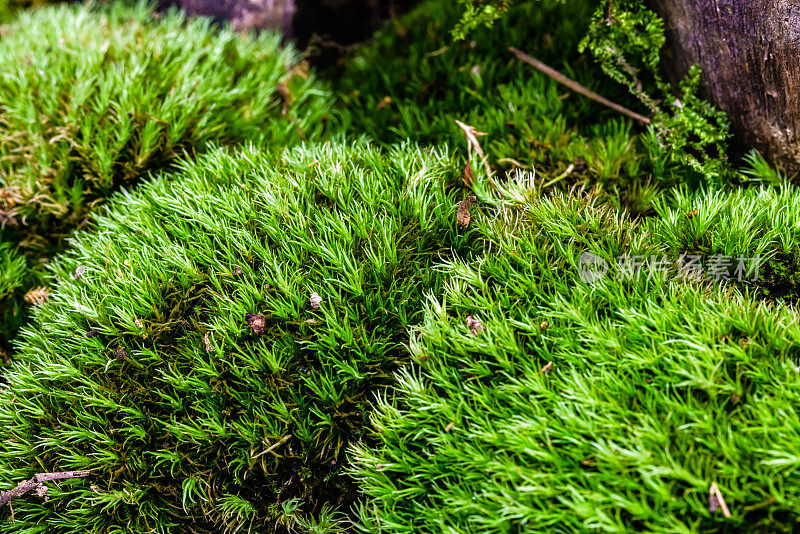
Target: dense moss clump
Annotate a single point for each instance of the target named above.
(757, 222)
(92, 98)
(210, 352)
(541, 403)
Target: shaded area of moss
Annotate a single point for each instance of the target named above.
(755, 227)
(414, 82)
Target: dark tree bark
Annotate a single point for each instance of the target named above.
(243, 14)
(328, 26)
(749, 51)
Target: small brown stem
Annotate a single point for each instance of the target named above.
(283, 440)
(29, 485)
(575, 86)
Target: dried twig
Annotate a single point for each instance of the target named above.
(575, 86)
(472, 143)
(715, 500)
(36, 483)
(283, 440)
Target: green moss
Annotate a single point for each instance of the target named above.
(93, 98)
(9, 8)
(761, 223)
(415, 82)
(149, 370)
(605, 407)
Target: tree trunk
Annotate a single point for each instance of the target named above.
(243, 14)
(328, 26)
(749, 51)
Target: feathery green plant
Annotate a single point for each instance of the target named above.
(626, 38)
(94, 97)
(477, 13)
(185, 359)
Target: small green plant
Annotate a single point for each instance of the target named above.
(415, 82)
(626, 38)
(477, 13)
(211, 349)
(93, 98)
(759, 170)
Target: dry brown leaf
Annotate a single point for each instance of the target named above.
(257, 323)
(463, 217)
(547, 367)
(469, 176)
(207, 342)
(475, 325)
(37, 296)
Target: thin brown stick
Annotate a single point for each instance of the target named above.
(715, 493)
(575, 86)
(283, 440)
(29, 485)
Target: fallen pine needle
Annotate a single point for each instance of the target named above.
(472, 143)
(575, 86)
(274, 446)
(715, 500)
